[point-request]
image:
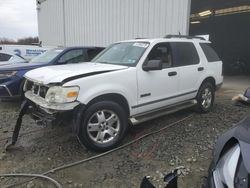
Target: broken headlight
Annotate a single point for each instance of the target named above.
(58, 94)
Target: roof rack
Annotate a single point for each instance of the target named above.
(183, 36)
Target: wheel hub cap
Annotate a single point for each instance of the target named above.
(103, 126)
(207, 98)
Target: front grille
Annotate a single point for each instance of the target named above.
(36, 89)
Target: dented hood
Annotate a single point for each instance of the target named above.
(64, 73)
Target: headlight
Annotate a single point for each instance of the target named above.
(58, 94)
(7, 74)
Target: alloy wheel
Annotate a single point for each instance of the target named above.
(103, 126)
(206, 98)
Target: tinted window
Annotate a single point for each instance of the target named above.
(184, 53)
(4, 57)
(73, 56)
(93, 52)
(209, 52)
(161, 52)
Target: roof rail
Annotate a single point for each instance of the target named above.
(183, 36)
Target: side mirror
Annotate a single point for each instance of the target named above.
(152, 65)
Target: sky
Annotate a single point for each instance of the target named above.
(18, 19)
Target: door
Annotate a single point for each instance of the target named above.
(157, 88)
(186, 58)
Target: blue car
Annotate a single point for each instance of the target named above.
(11, 75)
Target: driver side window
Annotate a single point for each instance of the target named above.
(161, 52)
(73, 56)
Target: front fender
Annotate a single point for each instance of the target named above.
(121, 82)
(86, 96)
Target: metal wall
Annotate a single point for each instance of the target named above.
(101, 22)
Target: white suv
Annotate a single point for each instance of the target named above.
(129, 82)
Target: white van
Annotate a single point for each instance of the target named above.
(26, 51)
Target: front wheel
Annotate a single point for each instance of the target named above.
(205, 97)
(103, 126)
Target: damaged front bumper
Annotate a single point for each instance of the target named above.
(50, 107)
(43, 118)
(43, 113)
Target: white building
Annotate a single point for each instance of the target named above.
(102, 22)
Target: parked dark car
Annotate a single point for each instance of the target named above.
(11, 75)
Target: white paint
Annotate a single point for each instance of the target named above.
(132, 82)
(26, 51)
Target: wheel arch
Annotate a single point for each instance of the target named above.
(115, 97)
(209, 79)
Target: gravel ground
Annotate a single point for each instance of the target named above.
(187, 145)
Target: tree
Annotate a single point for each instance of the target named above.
(7, 41)
(21, 41)
(28, 40)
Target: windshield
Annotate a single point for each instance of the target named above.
(46, 57)
(126, 53)
(16, 59)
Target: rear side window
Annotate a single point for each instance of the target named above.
(209, 52)
(184, 53)
(4, 57)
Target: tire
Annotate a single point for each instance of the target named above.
(205, 98)
(103, 126)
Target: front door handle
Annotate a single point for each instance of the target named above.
(172, 73)
(201, 69)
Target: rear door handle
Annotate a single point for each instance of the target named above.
(172, 73)
(201, 69)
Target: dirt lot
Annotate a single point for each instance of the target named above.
(188, 144)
